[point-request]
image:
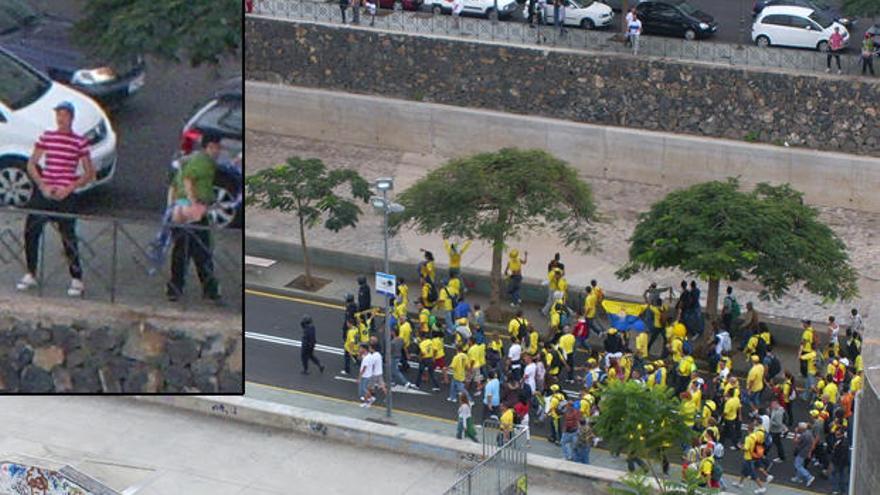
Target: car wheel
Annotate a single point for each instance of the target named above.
(822, 46)
(225, 212)
(437, 10)
(16, 187)
(762, 41)
(690, 35)
(588, 24)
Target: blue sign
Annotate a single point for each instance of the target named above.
(386, 284)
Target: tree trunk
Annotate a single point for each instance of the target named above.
(712, 298)
(493, 312)
(302, 237)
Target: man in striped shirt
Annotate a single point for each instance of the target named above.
(56, 180)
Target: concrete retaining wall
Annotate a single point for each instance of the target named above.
(832, 179)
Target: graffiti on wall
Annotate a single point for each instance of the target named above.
(19, 479)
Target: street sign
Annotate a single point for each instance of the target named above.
(386, 284)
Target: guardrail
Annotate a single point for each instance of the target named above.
(503, 470)
(116, 258)
(736, 55)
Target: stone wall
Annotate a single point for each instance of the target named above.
(813, 111)
(138, 357)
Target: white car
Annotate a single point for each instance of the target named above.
(583, 13)
(27, 99)
(801, 27)
(475, 7)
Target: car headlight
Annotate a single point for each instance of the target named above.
(703, 25)
(93, 76)
(843, 20)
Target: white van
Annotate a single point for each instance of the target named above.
(27, 99)
(801, 27)
(476, 7)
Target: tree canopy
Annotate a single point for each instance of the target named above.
(862, 8)
(202, 30)
(716, 231)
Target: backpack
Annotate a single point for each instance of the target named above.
(758, 453)
(735, 310)
(687, 347)
(717, 470)
(774, 367)
(433, 295)
(718, 453)
(761, 348)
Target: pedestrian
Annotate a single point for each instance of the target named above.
(559, 15)
(364, 375)
(194, 182)
(399, 354)
(730, 311)
(307, 349)
(457, 7)
(634, 30)
(629, 18)
(426, 363)
(426, 267)
(343, 6)
(570, 424)
(376, 381)
(839, 463)
(555, 283)
(491, 396)
(532, 12)
(868, 54)
(513, 269)
(803, 447)
(591, 311)
(351, 347)
(777, 430)
(64, 152)
(835, 46)
(371, 8)
(855, 325)
(460, 365)
(355, 11)
(465, 421)
(364, 294)
(584, 442)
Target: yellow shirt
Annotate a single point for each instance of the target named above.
(364, 333)
(514, 265)
(727, 364)
(424, 316)
(706, 466)
(831, 391)
(405, 329)
(658, 315)
(857, 364)
(439, 350)
(566, 343)
(426, 290)
(403, 293)
(642, 344)
(677, 349)
(562, 286)
(455, 257)
(426, 349)
(459, 366)
(688, 410)
(686, 366)
(477, 355)
(454, 287)
(807, 340)
(555, 399)
(590, 305)
(444, 299)
(652, 378)
(351, 341)
(533, 343)
(400, 311)
(731, 408)
(507, 420)
(514, 327)
(749, 446)
(428, 271)
(856, 383)
(755, 381)
(810, 357)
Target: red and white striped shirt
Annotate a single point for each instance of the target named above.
(63, 152)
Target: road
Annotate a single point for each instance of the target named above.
(272, 358)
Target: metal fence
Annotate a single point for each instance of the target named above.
(745, 55)
(503, 468)
(117, 259)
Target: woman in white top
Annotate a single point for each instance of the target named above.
(465, 421)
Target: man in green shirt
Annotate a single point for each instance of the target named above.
(194, 182)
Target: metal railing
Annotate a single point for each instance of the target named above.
(117, 259)
(503, 468)
(737, 55)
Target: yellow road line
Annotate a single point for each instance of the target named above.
(293, 299)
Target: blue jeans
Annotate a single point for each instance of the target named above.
(568, 439)
(398, 376)
(362, 387)
(455, 388)
(800, 472)
(582, 454)
(582, 342)
(513, 288)
(811, 382)
(450, 323)
(426, 364)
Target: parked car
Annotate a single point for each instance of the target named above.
(675, 18)
(476, 7)
(45, 42)
(817, 5)
(27, 97)
(405, 4)
(796, 27)
(220, 114)
(584, 13)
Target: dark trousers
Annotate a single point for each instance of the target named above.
(655, 333)
(868, 63)
(730, 431)
(343, 8)
(306, 354)
(777, 441)
(33, 232)
(836, 57)
(426, 364)
(531, 11)
(194, 244)
(513, 288)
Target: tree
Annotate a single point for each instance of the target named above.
(642, 422)
(715, 231)
(862, 8)
(495, 197)
(205, 30)
(307, 188)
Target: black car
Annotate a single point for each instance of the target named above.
(675, 18)
(45, 41)
(817, 5)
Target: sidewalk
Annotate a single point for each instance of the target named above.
(538, 445)
(129, 284)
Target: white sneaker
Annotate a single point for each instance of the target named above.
(760, 491)
(26, 282)
(76, 288)
(769, 478)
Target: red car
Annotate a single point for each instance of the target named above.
(407, 4)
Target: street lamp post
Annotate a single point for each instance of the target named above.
(385, 185)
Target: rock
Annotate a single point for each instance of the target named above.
(104, 339)
(206, 385)
(48, 358)
(62, 379)
(65, 337)
(9, 381)
(110, 383)
(144, 343)
(231, 383)
(39, 336)
(35, 380)
(78, 357)
(154, 382)
(205, 366)
(182, 351)
(214, 345)
(177, 377)
(234, 361)
(86, 380)
(21, 355)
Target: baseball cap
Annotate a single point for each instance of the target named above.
(66, 105)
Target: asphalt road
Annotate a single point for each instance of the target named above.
(148, 129)
(272, 358)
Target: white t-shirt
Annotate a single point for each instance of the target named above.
(635, 26)
(835, 330)
(514, 352)
(367, 366)
(629, 18)
(529, 375)
(377, 364)
(723, 342)
(457, 6)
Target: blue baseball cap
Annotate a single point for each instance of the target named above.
(66, 105)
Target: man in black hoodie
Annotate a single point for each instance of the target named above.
(363, 294)
(307, 351)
